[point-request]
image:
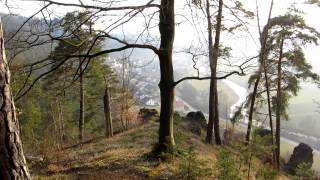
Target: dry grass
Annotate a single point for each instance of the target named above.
(124, 156)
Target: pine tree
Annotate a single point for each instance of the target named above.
(13, 164)
(286, 64)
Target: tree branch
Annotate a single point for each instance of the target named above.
(209, 77)
(149, 4)
(25, 22)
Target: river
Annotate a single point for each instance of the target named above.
(287, 137)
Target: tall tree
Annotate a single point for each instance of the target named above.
(13, 164)
(216, 51)
(279, 103)
(264, 64)
(291, 65)
(164, 52)
(213, 59)
(75, 24)
(257, 76)
(287, 34)
(167, 31)
(166, 85)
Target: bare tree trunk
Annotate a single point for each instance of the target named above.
(126, 106)
(81, 117)
(252, 103)
(107, 112)
(12, 161)
(166, 85)
(212, 81)
(269, 101)
(213, 58)
(62, 122)
(211, 113)
(122, 111)
(262, 57)
(269, 110)
(55, 116)
(279, 106)
(216, 121)
(123, 114)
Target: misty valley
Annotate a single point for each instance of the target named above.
(159, 89)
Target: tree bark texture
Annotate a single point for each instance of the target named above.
(13, 165)
(279, 106)
(269, 110)
(166, 85)
(213, 58)
(252, 103)
(81, 103)
(262, 56)
(107, 112)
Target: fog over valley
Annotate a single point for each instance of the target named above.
(160, 89)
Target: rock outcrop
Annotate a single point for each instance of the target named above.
(196, 122)
(197, 117)
(148, 114)
(301, 154)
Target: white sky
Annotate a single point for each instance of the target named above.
(185, 34)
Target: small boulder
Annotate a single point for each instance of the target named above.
(197, 117)
(196, 122)
(263, 132)
(301, 154)
(147, 114)
(190, 115)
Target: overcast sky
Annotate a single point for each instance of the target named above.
(242, 45)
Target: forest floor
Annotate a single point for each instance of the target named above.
(126, 156)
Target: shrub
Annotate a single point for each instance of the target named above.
(304, 172)
(191, 167)
(266, 173)
(227, 166)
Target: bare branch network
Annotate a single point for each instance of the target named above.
(48, 25)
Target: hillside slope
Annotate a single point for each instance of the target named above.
(125, 156)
